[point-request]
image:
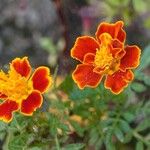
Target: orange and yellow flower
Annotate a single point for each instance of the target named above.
(19, 90)
(106, 55)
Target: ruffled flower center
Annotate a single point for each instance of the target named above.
(14, 86)
(104, 58)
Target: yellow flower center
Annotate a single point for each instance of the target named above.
(14, 86)
(104, 58)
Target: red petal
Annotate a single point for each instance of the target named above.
(115, 30)
(33, 102)
(41, 79)
(84, 45)
(6, 110)
(118, 81)
(22, 66)
(131, 58)
(89, 58)
(85, 77)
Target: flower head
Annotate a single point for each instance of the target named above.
(19, 90)
(106, 55)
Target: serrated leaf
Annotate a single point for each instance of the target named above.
(74, 147)
(119, 134)
(143, 125)
(138, 87)
(139, 146)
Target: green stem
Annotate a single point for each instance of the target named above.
(17, 124)
(141, 138)
(57, 143)
(9, 135)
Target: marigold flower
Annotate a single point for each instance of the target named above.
(19, 90)
(105, 55)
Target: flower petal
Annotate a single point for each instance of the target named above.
(6, 110)
(118, 81)
(22, 66)
(33, 102)
(115, 30)
(82, 46)
(2, 96)
(89, 58)
(131, 58)
(85, 77)
(41, 79)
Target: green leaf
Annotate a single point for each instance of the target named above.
(35, 148)
(143, 77)
(19, 142)
(67, 85)
(128, 116)
(146, 80)
(77, 146)
(124, 126)
(78, 94)
(143, 125)
(119, 134)
(145, 59)
(108, 141)
(54, 124)
(128, 137)
(2, 136)
(98, 144)
(139, 146)
(138, 87)
(94, 136)
(3, 126)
